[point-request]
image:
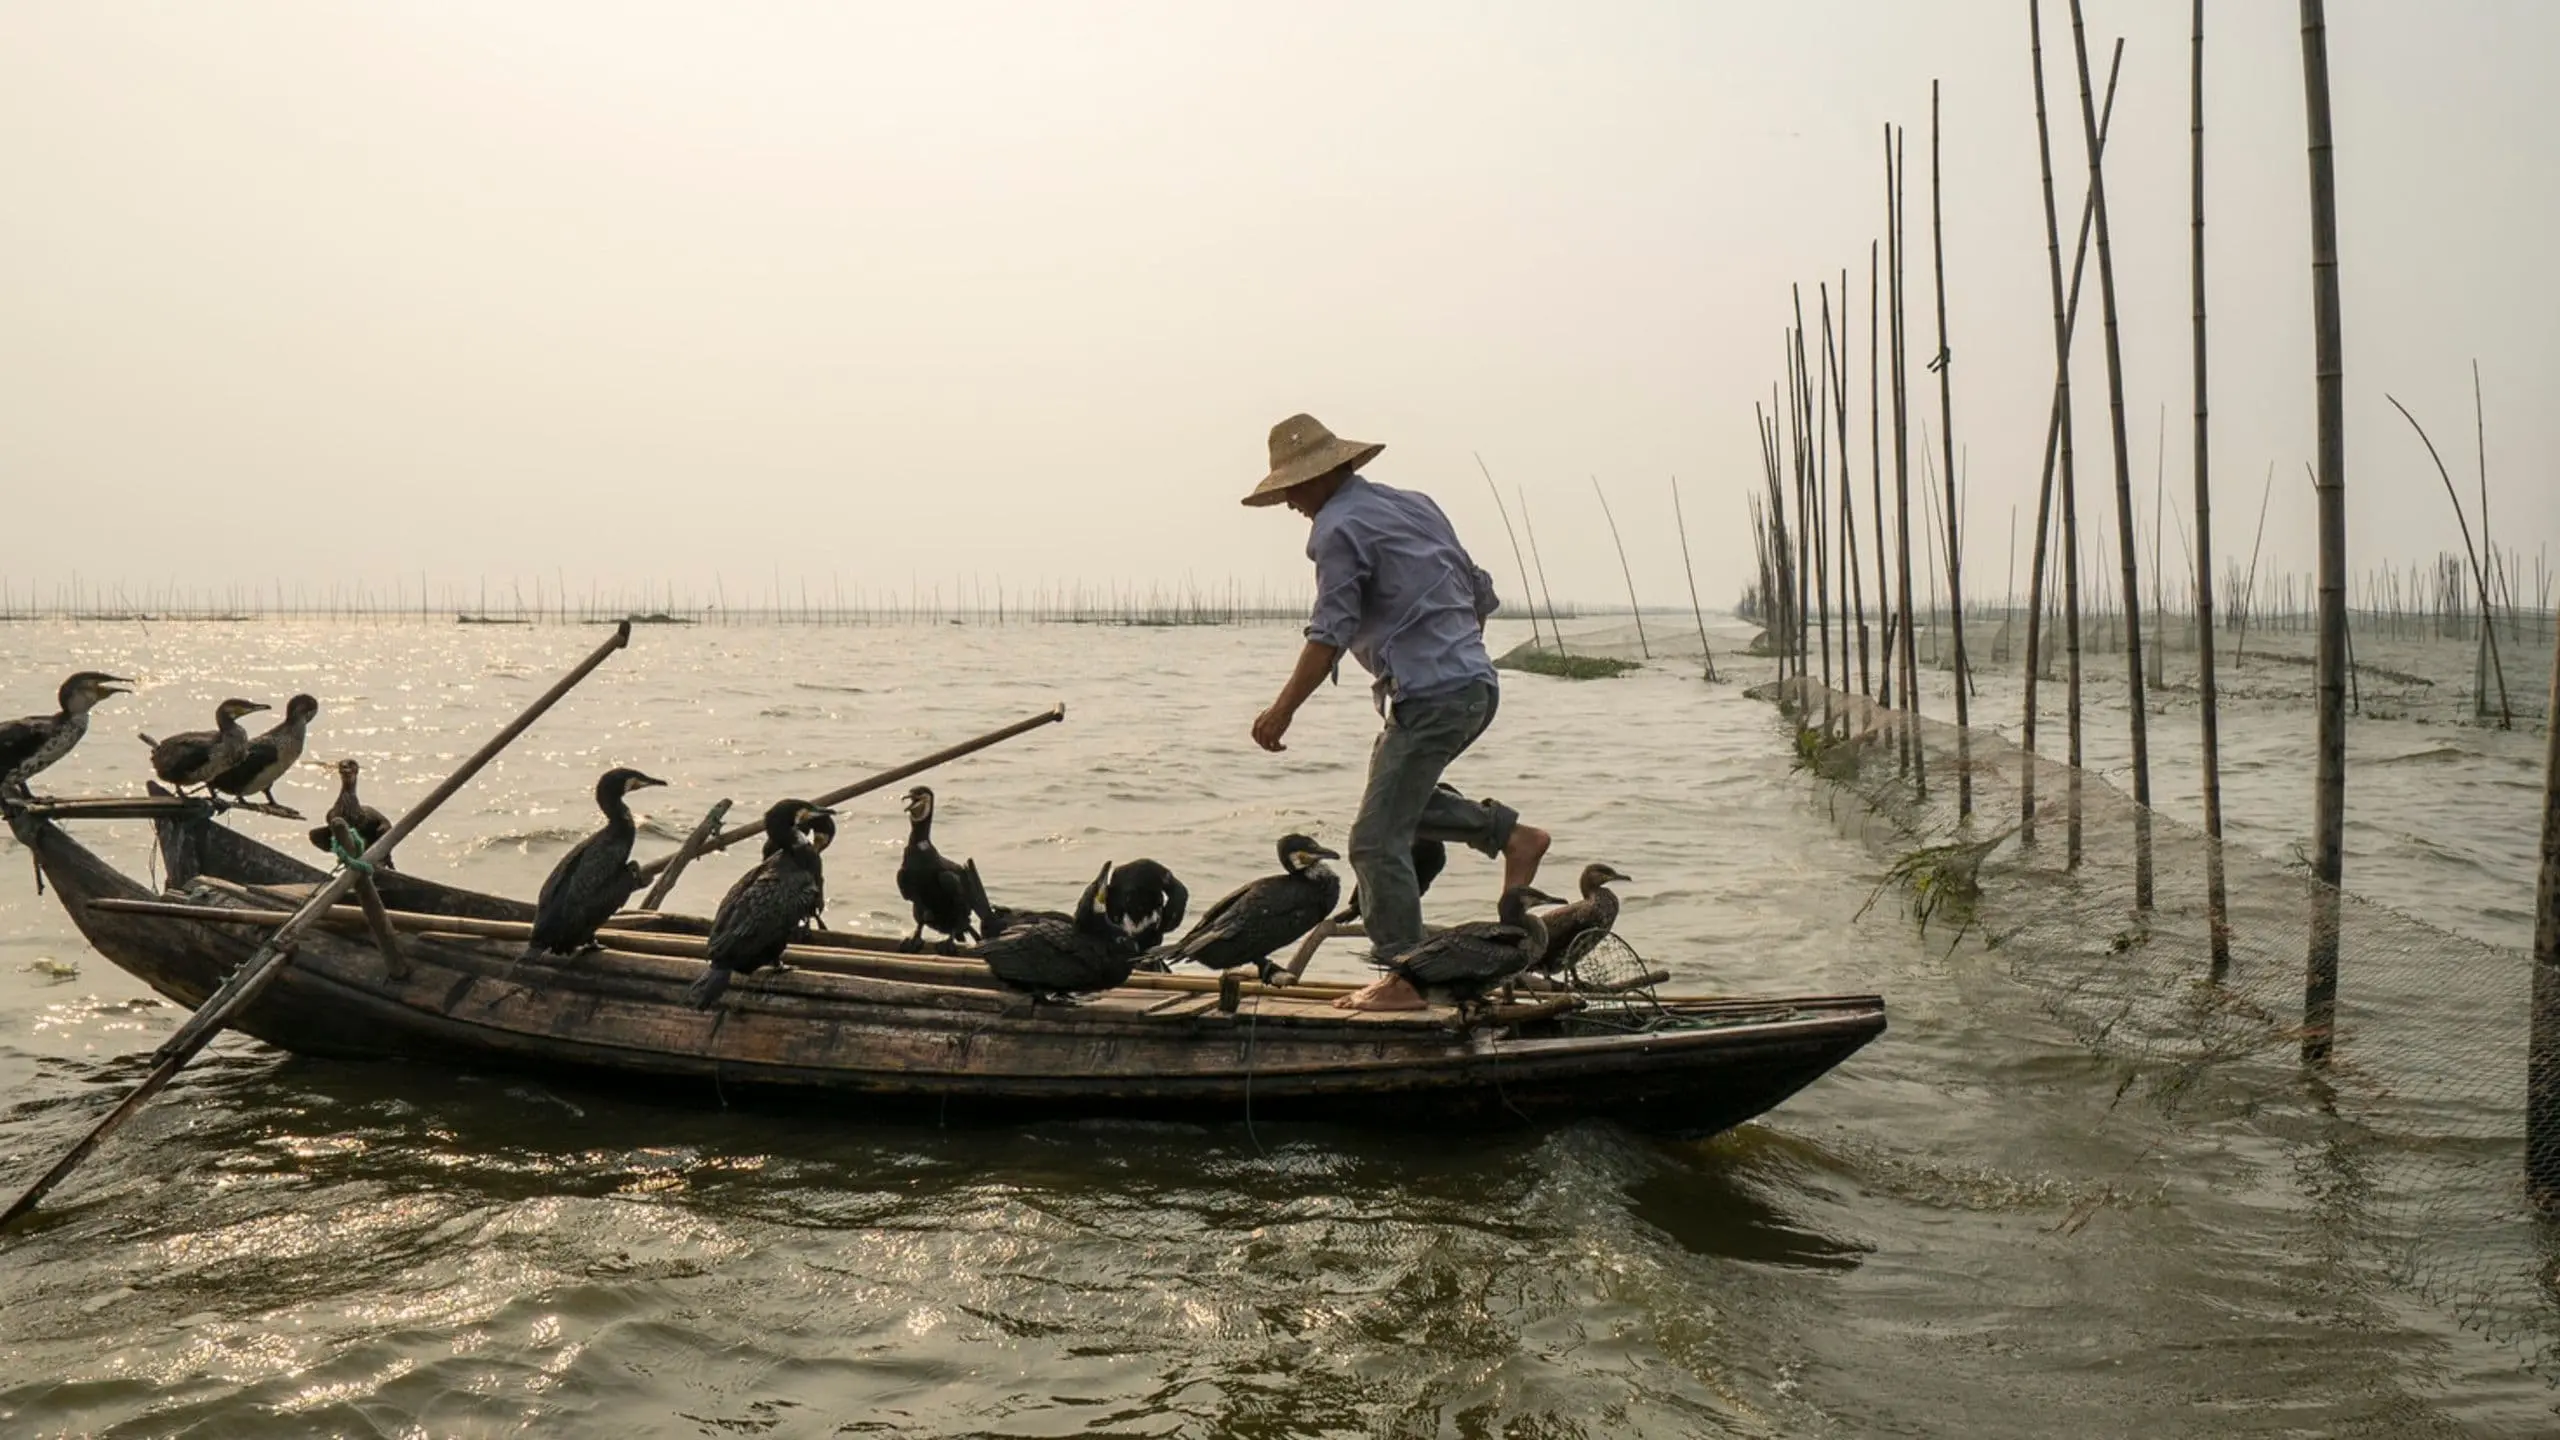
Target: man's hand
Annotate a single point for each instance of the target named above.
(1315, 662)
(1269, 726)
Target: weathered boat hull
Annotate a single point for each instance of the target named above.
(875, 1046)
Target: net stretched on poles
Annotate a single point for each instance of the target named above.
(2409, 1144)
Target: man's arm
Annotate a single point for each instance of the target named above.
(1315, 662)
(1341, 573)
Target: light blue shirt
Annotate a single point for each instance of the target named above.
(1396, 589)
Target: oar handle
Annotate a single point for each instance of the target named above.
(865, 786)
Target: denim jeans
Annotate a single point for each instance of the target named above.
(1406, 800)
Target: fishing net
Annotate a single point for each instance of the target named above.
(2407, 1143)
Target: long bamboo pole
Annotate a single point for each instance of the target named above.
(1901, 458)
(1681, 522)
(2329, 787)
(869, 783)
(1623, 568)
(261, 969)
(1516, 558)
(2127, 548)
(2057, 438)
(1854, 580)
(1555, 627)
(2542, 1054)
(1875, 467)
(2217, 897)
(1944, 364)
(2479, 576)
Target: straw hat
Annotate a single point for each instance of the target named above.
(1303, 450)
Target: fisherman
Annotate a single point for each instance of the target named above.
(1395, 589)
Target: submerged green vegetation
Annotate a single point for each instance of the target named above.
(1541, 661)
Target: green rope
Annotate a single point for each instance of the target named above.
(357, 863)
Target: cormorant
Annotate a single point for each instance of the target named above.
(1595, 914)
(594, 879)
(195, 757)
(766, 908)
(270, 755)
(28, 746)
(821, 830)
(1266, 914)
(940, 889)
(1430, 857)
(1465, 962)
(1049, 958)
(1145, 901)
(368, 823)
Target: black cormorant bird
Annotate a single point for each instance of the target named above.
(1465, 962)
(28, 746)
(1145, 901)
(1430, 857)
(1050, 958)
(594, 879)
(270, 755)
(195, 757)
(1595, 914)
(368, 823)
(766, 908)
(1266, 914)
(940, 889)
(821, 831)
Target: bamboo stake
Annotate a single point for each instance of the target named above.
(262, 968)
(2137, 712)
(376, 918)
(1856, 584)
(865, 786)
(1902, 462)
(1875, 468)
(1555, 627)
(2480, 578)
(1632, 607)
(2217, 897)
(1525, 592)
(1691, 571)
(1944, 364)
(2542, 1054)
(2329, 789)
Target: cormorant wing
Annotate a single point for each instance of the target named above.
(20, 739)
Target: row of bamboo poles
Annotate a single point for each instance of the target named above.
(1806, 512)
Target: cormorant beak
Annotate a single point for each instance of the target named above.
(641, 782)
(113, 685)
(1321, 853)
(254, 706)
(1540, 897)
(1619, 875)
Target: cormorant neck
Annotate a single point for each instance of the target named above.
(920, 830)
(617, 810)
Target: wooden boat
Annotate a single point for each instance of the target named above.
(883, 1034)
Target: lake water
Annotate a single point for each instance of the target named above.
(1965, 1230)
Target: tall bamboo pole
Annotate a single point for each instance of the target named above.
(1632, 607)
(1855, 582)
(1700, 611)
(2138, 713)
(2217, 898)
(1875, 461)
(2057, 444)
(2329, 788)
(1944, 364)
(1901, 454)
(1554, 627)
(2542, 1054)
(1516, 557)
(2488, 630)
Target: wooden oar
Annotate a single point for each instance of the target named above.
(733, 835)
(685, 852)
(261, 969)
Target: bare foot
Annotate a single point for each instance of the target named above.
(1521, 854)
(1387, 992)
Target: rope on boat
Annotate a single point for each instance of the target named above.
(357, 863)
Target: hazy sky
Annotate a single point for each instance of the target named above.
(861, 293)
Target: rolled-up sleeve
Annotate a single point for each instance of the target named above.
(1486, 601)
(1342, 572)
